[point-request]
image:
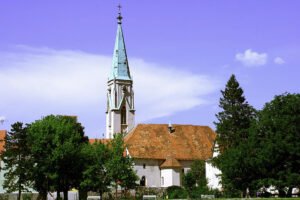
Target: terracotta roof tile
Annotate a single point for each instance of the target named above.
(187, 142)
(170, 162)
(2, 138)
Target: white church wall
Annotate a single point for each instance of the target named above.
(116, 122)
(2, 177)
(149, 169)
(176, 177)
(130, 121)
(108, 125)
(166, 177)
(170, 177)
(212, 173)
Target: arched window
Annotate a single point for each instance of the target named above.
(123, 115)
(143, 181)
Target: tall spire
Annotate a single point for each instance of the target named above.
(120, 67)
(120, 111)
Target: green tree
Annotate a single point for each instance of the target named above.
(233, 126)
(235, 117)
(239, 169)
(120, 165)
(16, 158)
(195, 180)
(277, 134)
(56, 143)
(95, 176)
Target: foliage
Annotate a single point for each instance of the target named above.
(233, 127)
(4, 196)
(56, 143)
(277, 134)
(95, 176)
(195, 180)
(176, 192)
(195, 176)
(196, 192)
(120, 166)
(235, 118)
(27, 196)
(16, 159)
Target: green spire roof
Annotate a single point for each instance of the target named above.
(120, 67)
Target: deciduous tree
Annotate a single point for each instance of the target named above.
(120, 166)
(95, 175)
(195, 179)
(56, 143)
(277, 134)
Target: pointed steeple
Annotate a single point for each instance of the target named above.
(120, 111)
(120, 67)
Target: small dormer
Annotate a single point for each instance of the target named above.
(171, 128)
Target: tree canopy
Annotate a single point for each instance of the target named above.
(56, 143)
(16, 158)
(95, 174)
(258, 149)
(120, 166)
(277, 144)
(232, 127)
(235, 116)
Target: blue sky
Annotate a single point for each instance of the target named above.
(55, 57)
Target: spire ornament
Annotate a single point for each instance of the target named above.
(119, 18)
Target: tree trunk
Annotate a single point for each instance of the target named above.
(42, 196)
(65, 194)
(57, 195)
(101, 193)
(289, 192)
(281, 192)
(116, 191)
(19, 193)
(82, 194)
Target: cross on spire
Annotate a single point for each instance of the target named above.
(120, 16)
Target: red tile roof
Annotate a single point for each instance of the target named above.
(170, 162)
(2, 138)
(186, 142)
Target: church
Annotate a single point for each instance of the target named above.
(162, 153)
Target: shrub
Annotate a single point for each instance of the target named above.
(27, 196)
(4, 197)
(176, 192)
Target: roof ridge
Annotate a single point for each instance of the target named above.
(176, 125)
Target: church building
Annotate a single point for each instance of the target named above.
(162, 153)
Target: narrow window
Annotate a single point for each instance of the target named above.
(144, 166)
(143, 181)
(123, 115)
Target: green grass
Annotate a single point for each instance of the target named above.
(272, 198)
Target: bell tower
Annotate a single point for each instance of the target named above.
(120, 97)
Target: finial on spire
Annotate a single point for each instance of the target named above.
(120, 16)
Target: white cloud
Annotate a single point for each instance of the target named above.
(251, 58)
(279, 61)
(41, 81)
